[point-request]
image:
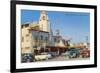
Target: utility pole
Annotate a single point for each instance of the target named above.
(87, 39)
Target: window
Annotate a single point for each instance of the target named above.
(29, 31)
(22, 39)
(26, 47)
(46, 39)
(36, 38)
(27, 35)
(41, 37)
(55, 39)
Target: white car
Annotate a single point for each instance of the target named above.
(48, 55)
(42, 56)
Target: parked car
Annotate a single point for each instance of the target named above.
(48, 54)
(71, 53)
(27, 57)
(43, 56)
(85, 53)
(65, 53)
(53, 54)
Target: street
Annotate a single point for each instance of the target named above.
(63, 58)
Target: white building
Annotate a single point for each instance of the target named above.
(39, 35)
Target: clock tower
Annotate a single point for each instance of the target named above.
(44, 23)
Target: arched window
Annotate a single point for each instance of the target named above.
(41, 37)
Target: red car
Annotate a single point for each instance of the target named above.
(85, 53)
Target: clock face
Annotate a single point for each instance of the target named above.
(43, 18)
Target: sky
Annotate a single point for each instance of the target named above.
(72, 25)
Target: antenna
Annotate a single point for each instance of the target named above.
(57, 32)
(86, 39)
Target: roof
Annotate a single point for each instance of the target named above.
(26, 25)
(38, 30)
(56, 47)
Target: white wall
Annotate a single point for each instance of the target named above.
(5, 37)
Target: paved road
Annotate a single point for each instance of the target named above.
(62, 58)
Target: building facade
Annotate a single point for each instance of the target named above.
(36, 36)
